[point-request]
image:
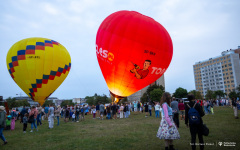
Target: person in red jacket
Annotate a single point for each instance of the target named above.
(181, 108)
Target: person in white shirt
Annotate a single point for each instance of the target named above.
(51, 116)
(157, 110)
(73, 117)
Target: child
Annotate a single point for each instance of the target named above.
(25, 122)
(13, 123)
(8, 122)
(73, 117)
(94, 112)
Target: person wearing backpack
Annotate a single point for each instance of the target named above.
(193, 120)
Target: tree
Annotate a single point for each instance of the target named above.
(180, 93)
(144, 98)
(210, 95)
(94, 100)
(156, 94)
(89, 100)
(233, 94)
(11, 102)
(67, 102)
(102, 99)
(151, 88)
(219, 93)
(23, 103)
(196, 94)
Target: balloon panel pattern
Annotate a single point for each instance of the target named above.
(38, 66)
(133, 51)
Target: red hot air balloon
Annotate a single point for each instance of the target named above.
(133, 51)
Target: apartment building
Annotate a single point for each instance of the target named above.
(218, 73)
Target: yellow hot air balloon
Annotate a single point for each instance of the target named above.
(38, 66)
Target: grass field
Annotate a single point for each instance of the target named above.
(137, 132)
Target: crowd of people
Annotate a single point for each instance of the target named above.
(170, 109)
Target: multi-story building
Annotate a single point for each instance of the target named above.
(136, 96)
(218, 73)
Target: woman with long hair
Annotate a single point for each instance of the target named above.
(167, 129)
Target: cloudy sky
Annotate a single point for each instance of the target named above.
(199, 29)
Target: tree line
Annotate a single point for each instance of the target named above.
(155, 92)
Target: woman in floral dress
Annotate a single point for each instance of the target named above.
(167, 129)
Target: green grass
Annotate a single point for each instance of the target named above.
(136, 132)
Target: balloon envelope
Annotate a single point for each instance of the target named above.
(133, 51)
(38, 66)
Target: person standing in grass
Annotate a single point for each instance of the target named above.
(94, 112)
(195, 126)
(67, 114)
(34, 112)
(25, 121)
(2, 123)
(77, 112)
(175, 110)
(39, 108)
(150, 109)
(73, 117)
(45, 112)
(14, 115)
(101, 110)
(157, 109)
(108, 110)
(146, 109)
(167, 129)
(98, 110)
(82, 112)
(181, 110)
(211, 106)
(114, 111)
(51, 116)
(125, 110)
(57, 113)
(121, 111)
(235, 109)
(205, 105)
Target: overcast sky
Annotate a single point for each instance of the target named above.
(199, 29)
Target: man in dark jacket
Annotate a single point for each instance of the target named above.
(23, 112)
(2, 123)
(195, 128)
